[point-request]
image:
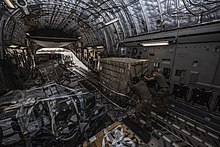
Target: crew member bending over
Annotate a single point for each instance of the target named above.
(162, 93)
(144, 101)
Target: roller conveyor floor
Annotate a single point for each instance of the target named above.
(184, 125)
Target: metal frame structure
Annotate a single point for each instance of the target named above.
(87, 18)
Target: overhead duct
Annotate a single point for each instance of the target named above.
(111, 21)
(22, 4)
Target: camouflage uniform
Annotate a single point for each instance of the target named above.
(144, 105)
(161, 97)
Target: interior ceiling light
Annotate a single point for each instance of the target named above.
(99, 47)
(89, 47)
(111, 21)
(38, 52)
(159, 43)
(9, 4)
(51, 49)
(13, 46)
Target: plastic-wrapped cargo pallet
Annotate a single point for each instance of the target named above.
(115, 73)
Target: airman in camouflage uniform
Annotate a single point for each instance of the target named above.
(160, 98)
(144, 101)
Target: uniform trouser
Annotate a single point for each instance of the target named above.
(145, 108)
(161, 100)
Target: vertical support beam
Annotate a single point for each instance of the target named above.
(145, 15)
(160, 9)
(2, 23)
(109, 42)
(216, 71)
(79, 47)
(1, 52)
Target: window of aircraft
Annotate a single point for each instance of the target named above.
(194, 75)
(195, 63)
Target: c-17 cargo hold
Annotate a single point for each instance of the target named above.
(112, 73)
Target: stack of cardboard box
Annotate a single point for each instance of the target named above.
(116, 73)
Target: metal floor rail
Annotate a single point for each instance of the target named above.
(184, 125)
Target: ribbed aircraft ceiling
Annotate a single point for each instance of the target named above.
(99, 22)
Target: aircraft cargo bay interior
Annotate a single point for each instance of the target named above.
(110, 73)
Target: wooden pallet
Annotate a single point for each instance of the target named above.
(96, 141)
